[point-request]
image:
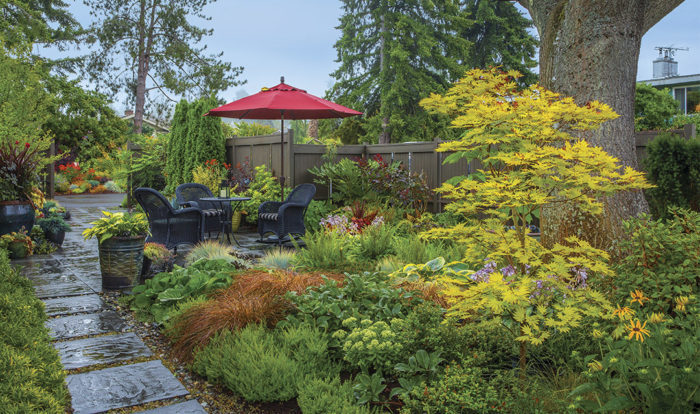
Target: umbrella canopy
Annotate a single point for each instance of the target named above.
(282, 102)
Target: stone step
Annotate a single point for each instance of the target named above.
(187, 407)
(65, 327)
(101, 350)
(124, 386)
(56, 290)
(73, 304)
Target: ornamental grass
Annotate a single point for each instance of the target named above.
(254, 297)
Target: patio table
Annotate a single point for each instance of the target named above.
(227, 205)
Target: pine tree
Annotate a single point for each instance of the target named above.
(394, 53)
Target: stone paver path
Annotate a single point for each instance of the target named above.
(87, 334)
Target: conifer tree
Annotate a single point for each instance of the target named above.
(176, 149)
(394, 53)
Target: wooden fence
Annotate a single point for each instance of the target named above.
(415, 156)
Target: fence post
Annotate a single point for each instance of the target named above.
(690, 131)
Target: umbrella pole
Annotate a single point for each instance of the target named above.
(282, 177)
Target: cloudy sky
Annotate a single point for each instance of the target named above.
(295, 38)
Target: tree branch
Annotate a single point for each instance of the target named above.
(655, 10)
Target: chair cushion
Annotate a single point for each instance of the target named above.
(212, 213)
(268, 216)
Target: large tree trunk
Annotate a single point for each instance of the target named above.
(589, 50)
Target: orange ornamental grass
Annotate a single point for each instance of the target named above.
(254, 297)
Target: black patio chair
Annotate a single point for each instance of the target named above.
(169, 226)
(189, 195)
(287, 217)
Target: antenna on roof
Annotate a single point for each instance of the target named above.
(669, 51)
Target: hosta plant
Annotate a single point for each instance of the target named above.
(117, 225)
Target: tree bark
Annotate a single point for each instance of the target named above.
(589, 50)
(145, 46)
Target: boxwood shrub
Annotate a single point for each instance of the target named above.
(32, 379)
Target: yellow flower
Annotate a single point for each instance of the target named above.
(595, 365)
(637, 330)
(638, 296)
(657, 317)
(623, 312)
(681, 301)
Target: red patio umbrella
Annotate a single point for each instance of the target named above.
(282, 102)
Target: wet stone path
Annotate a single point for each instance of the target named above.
(88, 335)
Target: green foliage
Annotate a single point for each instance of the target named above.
(373, 243)
(205, 139)
(660, 258)
(466, 390)
(368, 388)
(316, 211)
(262, 365)
(117, 225)
(213, 250)
(412, 249)
(362, 296)
(37, 21)
(673, 165)
(147, 168)
(653, 108)
(263, 187)
(175, 161)
(159, 295)
(369, 346)
(321, 396)
(326, 250)
(32, 375)
(252, 129)
(140, 42)
(680, 121)
(345, 178)
(53, 224)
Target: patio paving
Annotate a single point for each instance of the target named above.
(87, 334)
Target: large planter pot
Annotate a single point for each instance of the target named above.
(121, 259)
(56, 238)
(14, 215)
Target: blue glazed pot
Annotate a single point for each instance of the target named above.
(14, 215)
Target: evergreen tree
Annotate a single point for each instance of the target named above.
(176, 150)
(210, 143)
(394, 53)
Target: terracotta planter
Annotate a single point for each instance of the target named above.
(14, 215)
(121, 260)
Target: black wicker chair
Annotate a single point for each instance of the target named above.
(169, 226)
(285, 218)
(188, 195)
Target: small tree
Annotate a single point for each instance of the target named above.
(653, 108)
(530, 157)
(178, 135)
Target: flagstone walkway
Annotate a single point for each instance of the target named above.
(88, 335)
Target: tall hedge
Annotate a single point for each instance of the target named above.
(673, 165)
(31, 375)
(194, 139)
(176, 149)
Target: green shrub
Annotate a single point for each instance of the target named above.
(321, 396)
(673, 165)
(157, 297)
(263, 365)
(326, 250)
(467, 390)
(680, 121)
(653, 108)
(263, 187)
(412, 249)
(362, 296)
(370, 346)
(316, 211)
(32, 377)
(373, 243)
(660, 258)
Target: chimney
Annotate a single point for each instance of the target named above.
(128, 112)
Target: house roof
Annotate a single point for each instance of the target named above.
(159, 127)
(674, 81)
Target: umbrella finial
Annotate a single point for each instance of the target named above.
(281, 79)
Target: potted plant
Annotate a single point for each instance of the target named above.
(156, 259)
(121, 238)
(20, 163)
(52, 207)
(54, 227)
(17, 243)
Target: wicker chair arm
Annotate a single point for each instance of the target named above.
(189, 211)
(193, 204)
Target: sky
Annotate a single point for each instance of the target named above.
(295, 38)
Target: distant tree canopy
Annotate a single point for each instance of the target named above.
(37, 21)
(151, 45)
(653, 108)
(394, 53)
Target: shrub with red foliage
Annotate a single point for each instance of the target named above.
(254, 297)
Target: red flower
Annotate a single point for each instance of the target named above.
(16, 142)
(27, 145)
